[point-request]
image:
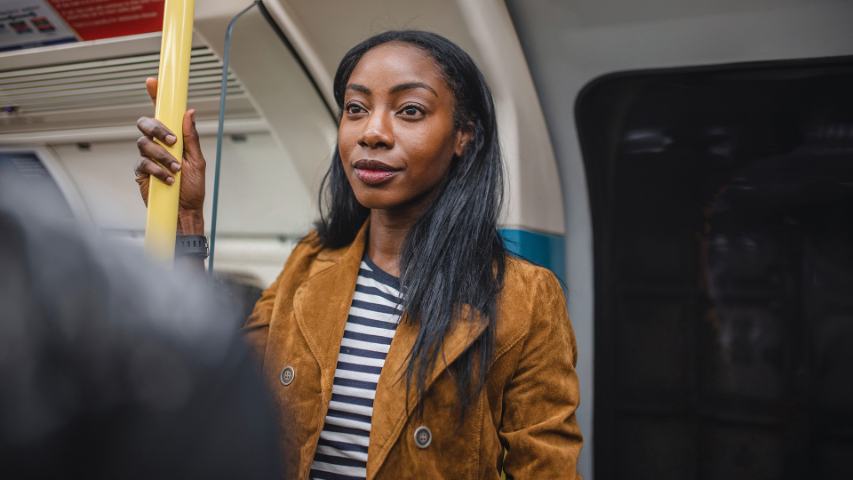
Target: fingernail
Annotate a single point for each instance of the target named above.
(170, 180)
(176, 166)
(192, 115)
(170, 139)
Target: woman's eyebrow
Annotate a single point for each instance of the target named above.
(411, 85)
(395, 89)
(358, 88)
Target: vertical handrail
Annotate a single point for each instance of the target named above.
(161, 222)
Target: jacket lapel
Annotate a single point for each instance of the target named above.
(390, 407)
(322, 303)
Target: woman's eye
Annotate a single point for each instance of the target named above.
(411, 111)
(354, 109)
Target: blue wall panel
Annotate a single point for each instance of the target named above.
(545, 249)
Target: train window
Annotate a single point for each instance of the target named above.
(722, 203)
(24, 168)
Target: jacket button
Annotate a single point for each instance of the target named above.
(423, 437)
(287, 375)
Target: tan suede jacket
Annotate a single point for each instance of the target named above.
(523, 423)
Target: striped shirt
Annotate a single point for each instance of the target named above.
(373, 317)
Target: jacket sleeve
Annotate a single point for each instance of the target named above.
(539, 430)
(257, 326)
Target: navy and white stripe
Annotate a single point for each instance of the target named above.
(373, 317)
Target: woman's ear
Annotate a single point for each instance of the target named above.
(463, 136)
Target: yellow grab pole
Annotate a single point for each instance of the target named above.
(173, 82)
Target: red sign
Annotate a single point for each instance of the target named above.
(94, 19)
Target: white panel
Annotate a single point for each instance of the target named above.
(261, 193)
(534, 200)
(104, 177)
(281, 93)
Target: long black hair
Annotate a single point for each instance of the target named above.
(453, 260)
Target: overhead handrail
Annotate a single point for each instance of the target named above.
(226, 59)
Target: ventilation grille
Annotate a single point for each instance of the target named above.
(27, 165)
(92, 85)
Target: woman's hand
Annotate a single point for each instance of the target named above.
(155, 160)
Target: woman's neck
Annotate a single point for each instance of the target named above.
(386, 236)
(389, 228)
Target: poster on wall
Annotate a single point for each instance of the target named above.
(36, 23)
(95, 19)
(31, 23)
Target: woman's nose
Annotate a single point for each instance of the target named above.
(377, 132)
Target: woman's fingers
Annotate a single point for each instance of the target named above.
(151, 150)
(146, 167)
(153, 128)
(151, 88)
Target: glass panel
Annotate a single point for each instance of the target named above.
(277, 143)
(659, 449)
(741, 453)
(723, 212)
(270, 173)
(650, 356)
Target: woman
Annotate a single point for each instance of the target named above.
(400, 340)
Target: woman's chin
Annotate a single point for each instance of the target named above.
(396, 201)
(377, 200)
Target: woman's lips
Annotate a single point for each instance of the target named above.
(374, 177)
(373, 172)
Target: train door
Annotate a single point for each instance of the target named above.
(708, 230)
(722, 200)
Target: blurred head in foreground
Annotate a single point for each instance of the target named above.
(113, 368)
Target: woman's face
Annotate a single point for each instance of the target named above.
(397, 136)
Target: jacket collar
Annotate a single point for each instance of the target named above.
(322, 305)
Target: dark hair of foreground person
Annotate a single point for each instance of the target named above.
(114, 368)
